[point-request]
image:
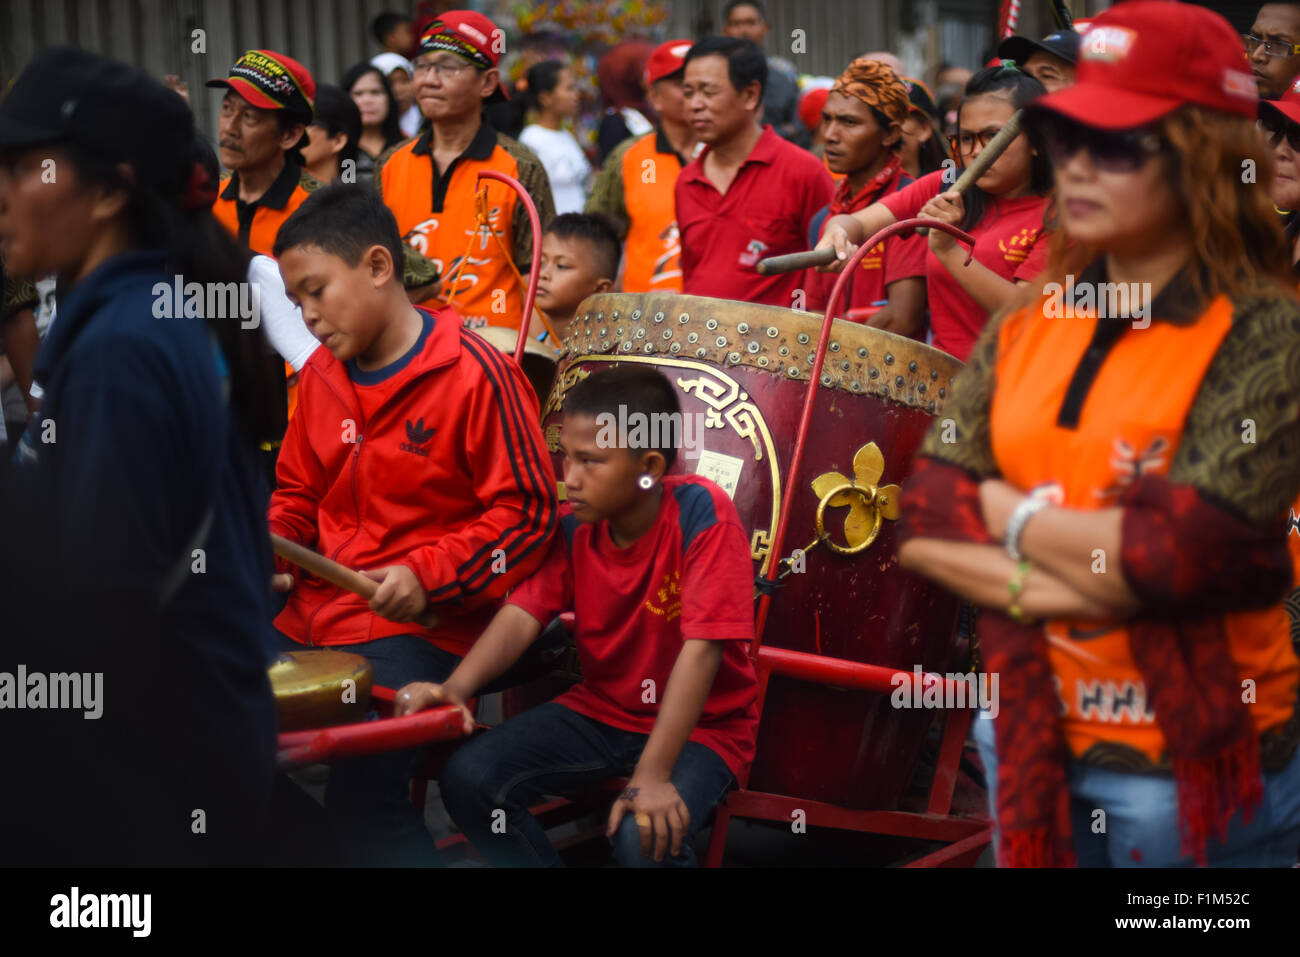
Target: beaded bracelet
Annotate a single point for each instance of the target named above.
(1015, 586)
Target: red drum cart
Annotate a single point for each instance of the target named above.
(810, 426)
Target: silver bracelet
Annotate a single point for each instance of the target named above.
(1030, 506)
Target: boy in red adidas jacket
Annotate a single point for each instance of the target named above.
(415, 456)
(657, 571)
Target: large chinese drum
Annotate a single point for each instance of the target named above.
(742, 370)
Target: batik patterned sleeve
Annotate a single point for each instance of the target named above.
(960, 434)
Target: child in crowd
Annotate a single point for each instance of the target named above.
(580, 255)
(658, 573)
(416, 456)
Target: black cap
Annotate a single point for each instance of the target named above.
(111, 110)
(1062, 43)
(918, 94)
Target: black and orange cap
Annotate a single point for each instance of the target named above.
(271, 81)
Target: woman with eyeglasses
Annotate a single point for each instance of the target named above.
(1111, 478)
(1003, 211)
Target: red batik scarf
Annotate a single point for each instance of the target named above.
(842, 202)
(1181, 555)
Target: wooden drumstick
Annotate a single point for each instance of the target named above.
(988, 156)
(336, 574)
(773, 265)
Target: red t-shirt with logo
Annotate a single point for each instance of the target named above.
(899, 257)
(690, 576)
(1009, 240)
(765, 212)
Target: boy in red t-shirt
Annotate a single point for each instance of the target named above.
(657, 571)
(416, 456)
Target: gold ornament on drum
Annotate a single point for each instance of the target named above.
(869, 503)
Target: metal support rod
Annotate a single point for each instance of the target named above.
(531, 293)
(805, 418)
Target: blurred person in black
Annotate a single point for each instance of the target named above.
(746, 20)
(135, 542)
(394, 33)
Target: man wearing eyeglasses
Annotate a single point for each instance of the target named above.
(430, 182)
(1273, 46)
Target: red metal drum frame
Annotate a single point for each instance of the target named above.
(965, 838)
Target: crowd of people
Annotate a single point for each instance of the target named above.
(1110, 495)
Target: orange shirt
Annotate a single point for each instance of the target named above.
(647, 172)
(1067, 413)
(255, 224)
(436, 214)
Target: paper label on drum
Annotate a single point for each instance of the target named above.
(722, 469)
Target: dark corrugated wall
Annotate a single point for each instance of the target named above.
(326, 35)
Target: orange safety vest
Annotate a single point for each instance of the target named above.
(653, 249)
(437, 216)
(1130, 423)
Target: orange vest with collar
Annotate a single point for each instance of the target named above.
(1130, 423)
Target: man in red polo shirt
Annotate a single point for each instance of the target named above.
(750, 194)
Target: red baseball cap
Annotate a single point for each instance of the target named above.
(1288, 104)
(811, 106)
(472, 37)
(1143, 59)
(271, 81)
(667, 59)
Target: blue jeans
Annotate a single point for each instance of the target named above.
(553, 750)
(1141, 817)
(369, 798)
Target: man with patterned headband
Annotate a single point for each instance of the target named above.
(863, 119)
(430, 182)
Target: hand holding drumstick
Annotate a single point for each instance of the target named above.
(393, 591)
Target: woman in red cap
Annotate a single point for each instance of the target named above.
(1111, 478)
(1280, 121)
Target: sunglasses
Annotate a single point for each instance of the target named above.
(1275, 127)
(1111, 151)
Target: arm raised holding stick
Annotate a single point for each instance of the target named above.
(843, 233)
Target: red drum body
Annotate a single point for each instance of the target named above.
(742, 373)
